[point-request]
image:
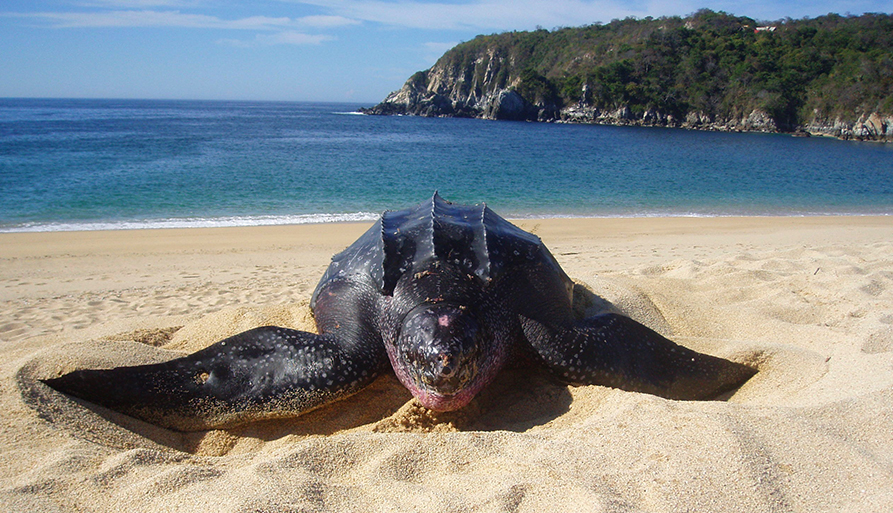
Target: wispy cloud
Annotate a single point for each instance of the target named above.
(147, 18)
(480, 14)
(271, 30)
(280, 38)
(142, 4)
(327, 21)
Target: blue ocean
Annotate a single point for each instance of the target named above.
(119, 164)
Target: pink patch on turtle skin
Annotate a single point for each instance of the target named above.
(438, 402)
(443, 320)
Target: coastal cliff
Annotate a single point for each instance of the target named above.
(828, 76)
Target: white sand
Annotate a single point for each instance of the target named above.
(807, 300)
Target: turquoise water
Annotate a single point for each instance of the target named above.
(106, 164)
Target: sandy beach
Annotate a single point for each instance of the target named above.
(807, 301)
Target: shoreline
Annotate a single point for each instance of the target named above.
(368, 217)
(811, 129)
(579, 222)
(807, 300)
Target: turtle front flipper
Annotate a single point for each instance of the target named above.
(616, 351)
(266, 372)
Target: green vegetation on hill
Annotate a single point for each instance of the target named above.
(713, 64)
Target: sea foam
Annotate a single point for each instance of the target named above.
(192, 222)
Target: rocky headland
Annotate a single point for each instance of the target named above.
(806, 77)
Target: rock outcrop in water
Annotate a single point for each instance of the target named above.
(874, 127)
(828, 76)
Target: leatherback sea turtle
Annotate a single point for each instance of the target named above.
(448, 294)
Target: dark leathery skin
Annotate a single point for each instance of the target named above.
(446, 294)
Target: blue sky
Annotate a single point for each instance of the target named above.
(340, 50)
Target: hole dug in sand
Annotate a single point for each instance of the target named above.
(521, 399)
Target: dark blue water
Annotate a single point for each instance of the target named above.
(88, 164)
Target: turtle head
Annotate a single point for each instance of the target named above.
(442, 355)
